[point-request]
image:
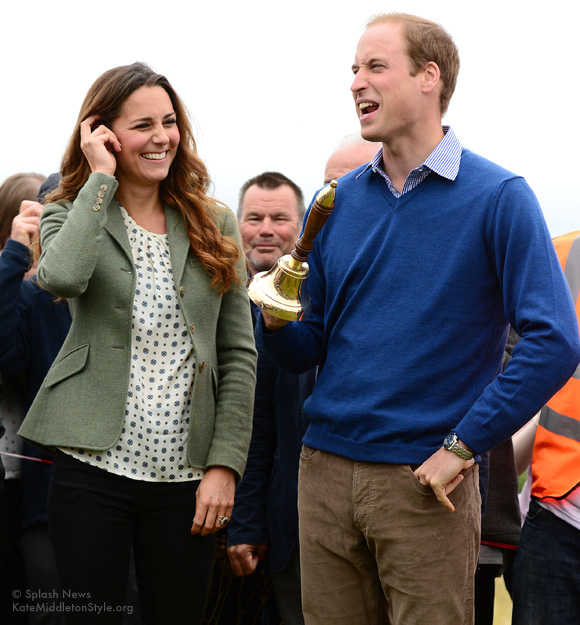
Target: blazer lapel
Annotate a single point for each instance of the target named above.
(176, 234)
(115, 226)
(179, 243)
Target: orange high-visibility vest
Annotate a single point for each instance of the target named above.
(556, 457)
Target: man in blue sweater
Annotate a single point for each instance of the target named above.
(431, 252)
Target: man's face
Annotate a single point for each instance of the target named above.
(388, 99)
(269, 225)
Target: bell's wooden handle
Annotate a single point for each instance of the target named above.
(319, 213)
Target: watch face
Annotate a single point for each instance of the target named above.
(449, 440)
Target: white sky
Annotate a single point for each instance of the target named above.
(267, 83)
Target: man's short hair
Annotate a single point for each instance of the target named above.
(427, 41)
(273, 180)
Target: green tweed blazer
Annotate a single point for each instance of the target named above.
(87, 259)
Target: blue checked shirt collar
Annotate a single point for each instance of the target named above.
(444, 161)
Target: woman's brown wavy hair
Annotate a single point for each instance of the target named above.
(187, 183)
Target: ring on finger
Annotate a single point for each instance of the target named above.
(223, 520)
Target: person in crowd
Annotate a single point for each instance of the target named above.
(523, 451)
(353, 151)
(430, 253)
(148, 403)
(13, 191)
(547, 564)
(264, 525)
(500, 521)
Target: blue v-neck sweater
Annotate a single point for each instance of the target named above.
(412, 298)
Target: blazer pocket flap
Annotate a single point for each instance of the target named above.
(68, 365)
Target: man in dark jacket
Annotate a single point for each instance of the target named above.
(264, 524)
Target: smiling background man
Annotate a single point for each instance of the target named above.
(270, 214)
(264, 525)
(430, 253)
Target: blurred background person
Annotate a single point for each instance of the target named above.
(13, 191)
(264, 525)
(352, 152)
(33, 326)
(500, 517)
(547, 565)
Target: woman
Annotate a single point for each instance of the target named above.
(149, 402)
(17, 198)
(33, 327)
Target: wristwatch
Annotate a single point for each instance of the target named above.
(450, 443)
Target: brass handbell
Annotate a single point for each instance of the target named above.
(280, 291)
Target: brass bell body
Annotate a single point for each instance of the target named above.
(280, 291)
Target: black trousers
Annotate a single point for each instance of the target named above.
(94, 517)
(12, 580)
